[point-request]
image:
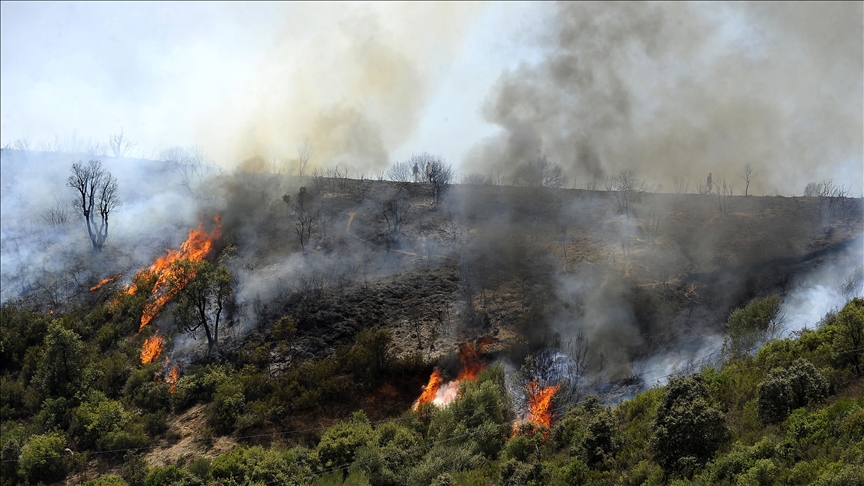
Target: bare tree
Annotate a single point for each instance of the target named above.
(191, 164)
(626, 187)
(395, 209)
(830, 197)
(57, 216)
(98, 191)
(748, 176)
(477, 179)
(400, 172)
(22, 144)
(540, 173)
(306, 216)
(120, 145)
(680, 185)
(304, 155)
(440, 176)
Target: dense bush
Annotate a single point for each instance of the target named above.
(687, 430)
(787, 389)
(42, 458)
(753, 324)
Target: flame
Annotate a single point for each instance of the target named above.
(105, 282)
(430, 389)
(472, 364)
(539, 402)
(172, 378)
(195, 248)
(152, 348)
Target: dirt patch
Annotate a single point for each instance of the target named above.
(185, 439)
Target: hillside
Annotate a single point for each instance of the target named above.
(344, 295)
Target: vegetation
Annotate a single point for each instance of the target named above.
(791, 413)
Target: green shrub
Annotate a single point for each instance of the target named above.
(60, 368)
(763, 473)
(753, 324)
(849, 340)
(340, 443)
(785, 390)
(600, 444)
(106, 425)
(42, 458)
(165, 475)
(687, 430)
(226, 408)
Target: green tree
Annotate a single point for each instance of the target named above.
(785, 390)
(687, 429)
(340, 443)
(755, 323)
(849, 342)
(61, 362)
(42, 458)
(204, 290)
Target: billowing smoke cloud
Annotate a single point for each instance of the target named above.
(681, 90)
(355, 86)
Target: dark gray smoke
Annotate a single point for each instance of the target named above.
(681, 90)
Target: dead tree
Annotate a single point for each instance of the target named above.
(748, 176)
(306, 218)
(395, 209)
(626, 187)
(97, 190)
(540, 173)
(120, 145)
(400, 172)
(304, 155)
(680, 185)
(438, 173)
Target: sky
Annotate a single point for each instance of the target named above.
(671, 89)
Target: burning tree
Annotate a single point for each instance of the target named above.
(206, 291)
(98, 191)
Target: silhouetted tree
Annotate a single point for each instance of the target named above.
(120, 145)
(97, 189)
(748, 176)
(540, 173)
(206, 294)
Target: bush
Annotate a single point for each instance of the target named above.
(687, 430)
(785, 390)
(849, 341)
(42, 458)
(600, 444)
(340, 443)
(106, 425)
(753, 324)
(227, 406)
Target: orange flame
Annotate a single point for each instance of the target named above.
(105, 282)
(152, 348)
(195, 248)
(172, 378)
(539, 402)
(472, 364)
(430, 389)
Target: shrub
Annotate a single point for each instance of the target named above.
(227, 406)
(166, 475)
(42, 458)
(753, 324)
(600, 444)
(340, 443)
(687, 430)
(106, 425)
(849, 341)
(785, 390)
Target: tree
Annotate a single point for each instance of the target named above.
(304, 155)
(626, 187)
(97, 189)
(395, 209)
(307, 217)
(207, 292)
(120, 145)
(785, 390)
(748, 176)
(540, 173)
(758, 321)
(401, 172)
(849, 342)
(687, 430)
(61, 362)
(438, 173)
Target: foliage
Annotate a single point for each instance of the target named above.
(203, 292)
(61, 362)
(687, 430)
(753, 324)
(787, 389)
(42, 458)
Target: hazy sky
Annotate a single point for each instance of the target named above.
(208, 73)
(669, 89)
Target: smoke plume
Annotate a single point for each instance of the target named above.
(681, 90)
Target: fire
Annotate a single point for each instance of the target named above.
(152, 348)
(172, 378)
(195, 248)
(472, 364)
(105, 282)
(539, 402)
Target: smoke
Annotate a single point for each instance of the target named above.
(352, 79)
(824, 290)
(681, 90)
